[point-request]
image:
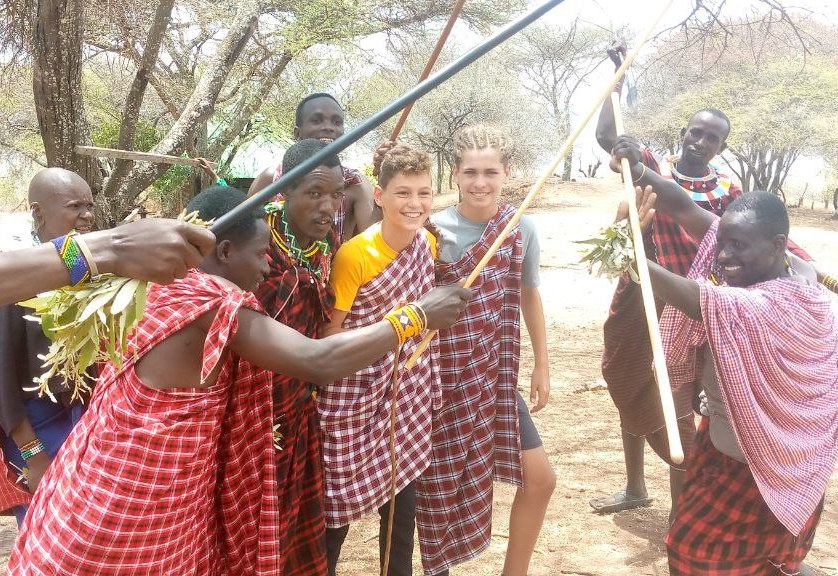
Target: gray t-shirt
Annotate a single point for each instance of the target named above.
(721, 430)
(459, 234)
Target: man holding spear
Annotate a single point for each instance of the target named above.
(753, 327)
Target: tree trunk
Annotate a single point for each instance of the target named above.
(439, 173)
(56, 84)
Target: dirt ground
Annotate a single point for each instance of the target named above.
(580, 425)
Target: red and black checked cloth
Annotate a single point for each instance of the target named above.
(351, 177)
(355, 412)
(297, 298)
(170, 482)
(475, 438)
(627, 354)
(724, 527)
(775, 350)
(12, 492)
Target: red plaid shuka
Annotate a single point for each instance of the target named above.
(295, 296)
(355, 411)
(351, 177)
(775, 352)
(171, 482)
(724, 527)
(627, 354)
(475, 437)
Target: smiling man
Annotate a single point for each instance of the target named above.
(321, 117)
(750, 323)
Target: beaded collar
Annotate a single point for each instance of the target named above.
(708, 188)
(285, 240)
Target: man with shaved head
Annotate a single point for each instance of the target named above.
(60, 201)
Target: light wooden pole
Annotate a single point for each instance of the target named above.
(670, 418)
(563, 152)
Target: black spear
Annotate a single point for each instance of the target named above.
(379, 117)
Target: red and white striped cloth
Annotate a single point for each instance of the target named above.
(355, 412)
(475, 438)
(172, 482)
(775, 349)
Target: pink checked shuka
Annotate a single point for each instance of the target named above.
(475, 438)
(355, 411)
(775, 349)
(173, 482)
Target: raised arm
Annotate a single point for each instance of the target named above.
(151, 249)
(672, 200)
(606, 131)
(278, 348)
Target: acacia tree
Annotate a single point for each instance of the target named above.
(204, 61)
(553, 64)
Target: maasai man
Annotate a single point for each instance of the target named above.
(627, 355)
(33, 426)
(153, 249)
(752, 325)
(172, 469)
(296, 292)
(320, 116)
(388, 263)
(483, 430)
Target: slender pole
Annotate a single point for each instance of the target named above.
(564, 151)
(670, 418)
(443, 37)
(376, 119)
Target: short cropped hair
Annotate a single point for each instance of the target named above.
(302, 151)
(403, 159)
(713, 112)
(770, 212)
(216, 201)
(298, 116)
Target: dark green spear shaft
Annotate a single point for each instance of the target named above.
(379, 117)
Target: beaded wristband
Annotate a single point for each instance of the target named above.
(74, 260)
(831, 283)
(30, 449)
(407, 321)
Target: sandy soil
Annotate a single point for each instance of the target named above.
(580, 426)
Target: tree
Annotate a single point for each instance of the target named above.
(206, 62)
(553, 64)
(779, 102)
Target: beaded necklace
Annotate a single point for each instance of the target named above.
(286, 241)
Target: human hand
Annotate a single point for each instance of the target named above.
(35, 469)
(204, 164)
(378, 157)
(158, 250)
(645, 199)
(539, 388)
(625, 147)
(444, 304)
(617, 51)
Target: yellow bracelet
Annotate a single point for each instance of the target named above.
(830, 283)
(642, 174)
(408, 321)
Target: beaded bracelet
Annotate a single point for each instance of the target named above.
(30, 449)
(73, 258)
(88, 256)
(407, 321)
(831, 283)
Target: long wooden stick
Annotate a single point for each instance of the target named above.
(138, 156)
(670, 418)
(563, 152)
(443, 37)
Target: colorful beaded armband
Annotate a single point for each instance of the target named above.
(30, 449)
(407, 321)
(73, 258)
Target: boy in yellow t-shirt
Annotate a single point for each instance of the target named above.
(390, 262)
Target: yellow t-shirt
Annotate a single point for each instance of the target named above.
(361, 259)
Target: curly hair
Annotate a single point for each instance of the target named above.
(403, 159)
(480, 137)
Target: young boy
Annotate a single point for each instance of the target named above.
(390, 262)
(484, 431)
(171, 470)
